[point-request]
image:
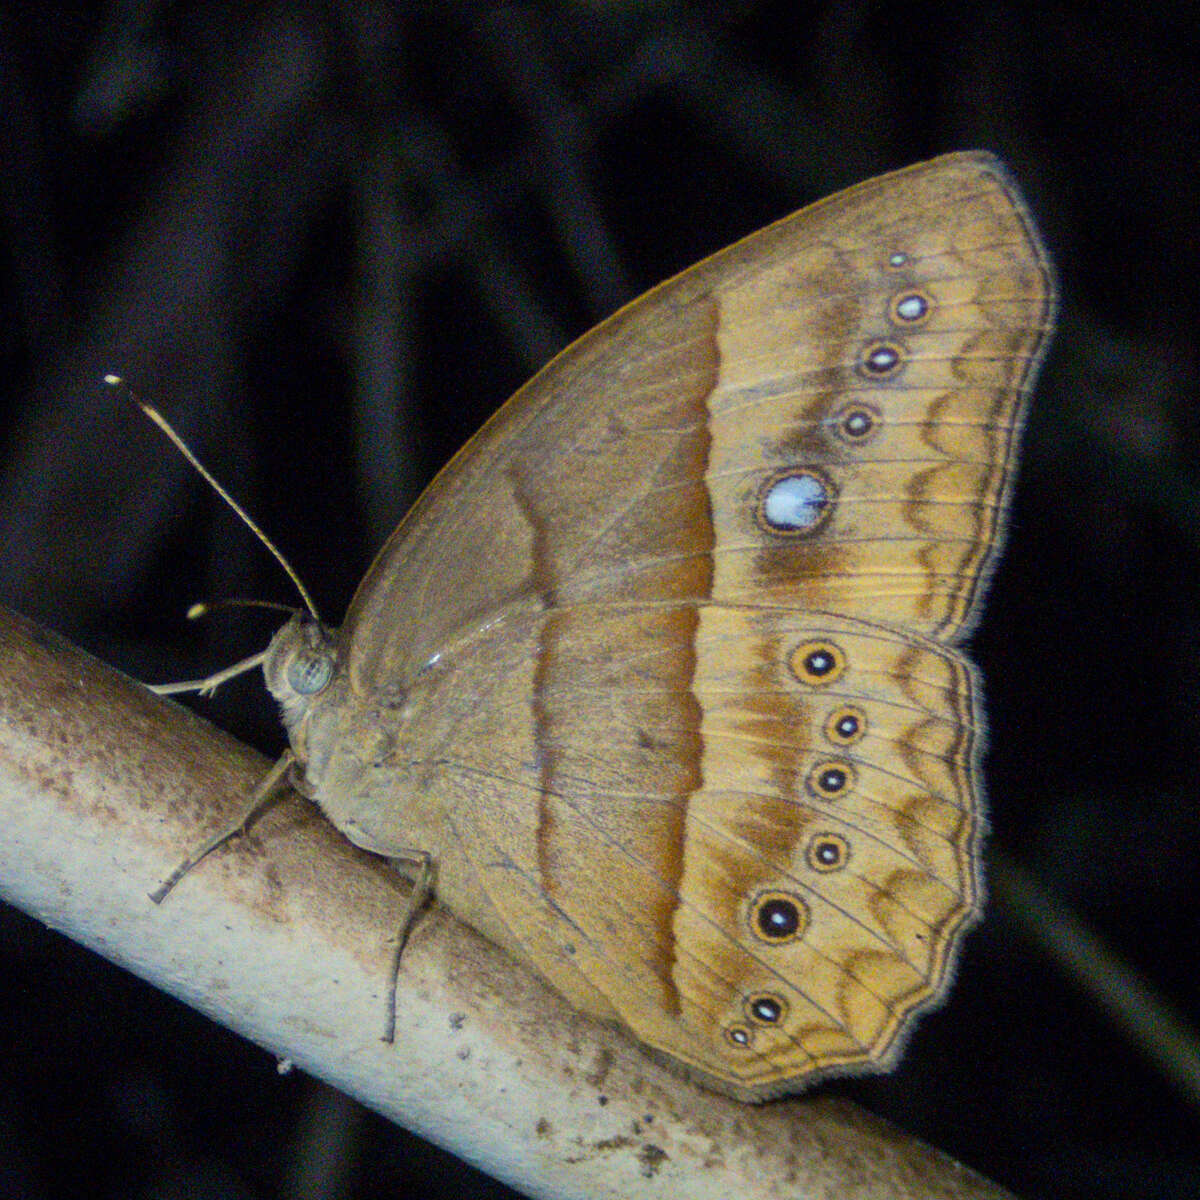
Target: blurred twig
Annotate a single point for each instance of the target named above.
(1123, 993)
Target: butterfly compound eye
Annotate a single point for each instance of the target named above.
(309, 672)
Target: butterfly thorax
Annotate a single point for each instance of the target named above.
(350, 742)
(304, 671)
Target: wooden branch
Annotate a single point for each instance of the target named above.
(284, 936)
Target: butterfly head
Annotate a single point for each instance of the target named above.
(300, 667)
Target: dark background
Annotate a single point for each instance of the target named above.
(329, 239)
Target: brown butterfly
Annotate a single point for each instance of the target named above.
(661, 673)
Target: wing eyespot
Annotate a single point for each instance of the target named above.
(827, 852)
(778, 917)
(857, 423)
(881, 360)
(794, 502)
(766, 1008)
(831, 778)
(846, 725)
(739, 1037)
(817, 663)
(911, 307)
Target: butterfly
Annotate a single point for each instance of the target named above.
(662, 674)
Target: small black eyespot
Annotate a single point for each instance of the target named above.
(817, 662)
(765, 1009)
(778, 918)
(739, 1036)
(830, 779)
(846, 725)
(881, 359)
(833, 779)
(911, 308)
(856, 423)
(828, 852)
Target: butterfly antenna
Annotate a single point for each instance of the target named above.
(180, 445)
(205, 608)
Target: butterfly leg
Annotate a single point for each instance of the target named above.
(422, 888)
(208, 685)
(263, 794)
